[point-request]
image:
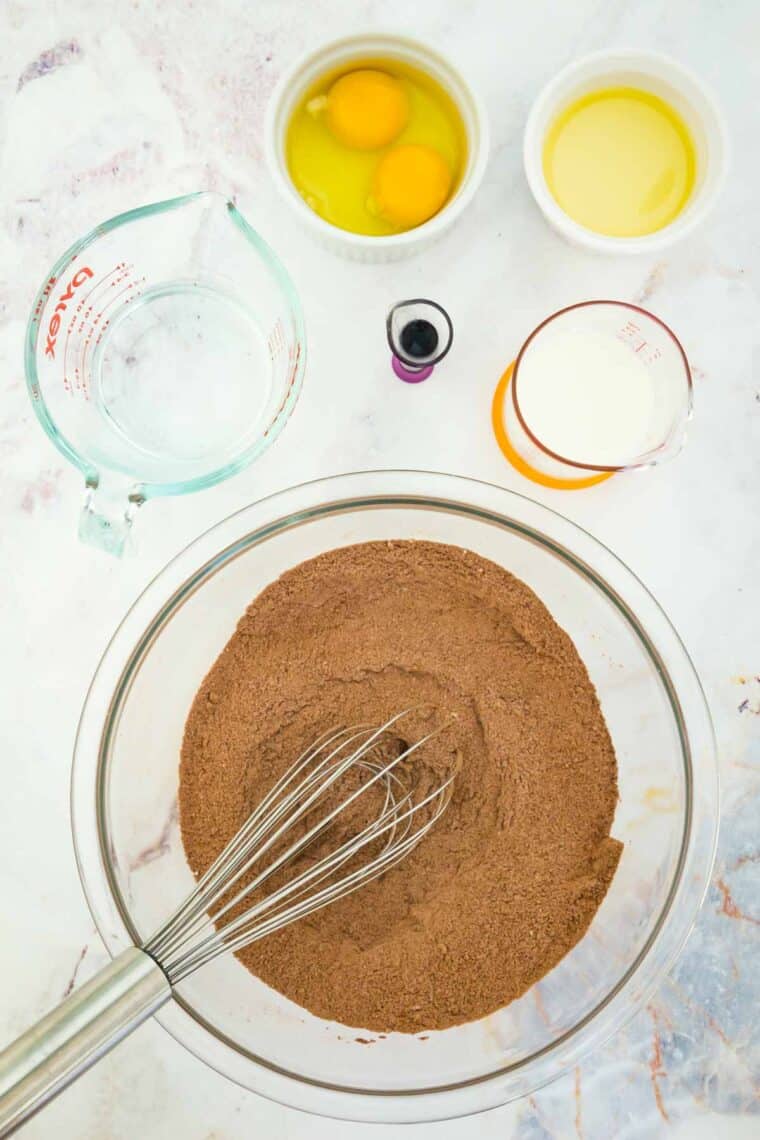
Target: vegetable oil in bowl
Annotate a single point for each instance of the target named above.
(378, 148)
(620, 161)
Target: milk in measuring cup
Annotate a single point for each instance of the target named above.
(586, 396)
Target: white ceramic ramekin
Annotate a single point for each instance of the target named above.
(663, 77)
(290, 88)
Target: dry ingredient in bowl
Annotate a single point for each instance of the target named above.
(511, 876)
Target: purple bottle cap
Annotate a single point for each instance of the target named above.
(410, 375)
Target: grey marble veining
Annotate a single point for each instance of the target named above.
(104, 107)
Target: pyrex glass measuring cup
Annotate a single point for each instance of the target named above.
(598, 387)
(165, 351)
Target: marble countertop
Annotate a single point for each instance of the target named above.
(106, 106)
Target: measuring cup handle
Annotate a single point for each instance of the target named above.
(107, 516)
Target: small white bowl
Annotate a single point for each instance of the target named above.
(290, 89)
(661, 76)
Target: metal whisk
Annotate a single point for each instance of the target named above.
(228, 909)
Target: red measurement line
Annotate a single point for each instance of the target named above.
(87, 296)
(44, 296)
(88, 339)
(295, 357)
(276, 339)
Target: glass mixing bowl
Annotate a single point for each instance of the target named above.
(131, 858)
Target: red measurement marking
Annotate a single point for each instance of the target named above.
(87, 342)
(44, 295)
(276, 340)
(294, 356)
(630, 334)
(101, 282)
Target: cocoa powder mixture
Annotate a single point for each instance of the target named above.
(510, 877)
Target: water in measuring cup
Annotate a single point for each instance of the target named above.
(586, 396)
(183, 373)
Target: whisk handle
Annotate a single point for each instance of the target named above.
(77, 1033)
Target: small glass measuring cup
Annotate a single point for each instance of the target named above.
(165, 352)
(538, 440)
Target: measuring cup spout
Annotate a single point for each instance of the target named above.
(107, 515)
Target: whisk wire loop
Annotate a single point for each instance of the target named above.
(210, 920)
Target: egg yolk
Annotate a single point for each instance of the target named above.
(411, 183)
(366, 109)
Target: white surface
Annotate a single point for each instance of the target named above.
(123, 104)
